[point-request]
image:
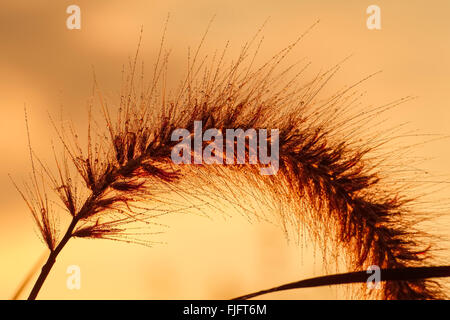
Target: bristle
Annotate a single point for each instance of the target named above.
(322, 164)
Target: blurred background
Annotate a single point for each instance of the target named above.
(47, 67)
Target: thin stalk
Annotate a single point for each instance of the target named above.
(29, 276)
(51, 261)
(400, 274)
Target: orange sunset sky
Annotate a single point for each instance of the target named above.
(46, 66)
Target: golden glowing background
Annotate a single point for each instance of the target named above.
(45, 66)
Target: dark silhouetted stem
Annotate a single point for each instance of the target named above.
(29, 276)
(51, 261)
(401, 274)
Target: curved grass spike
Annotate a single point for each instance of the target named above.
(335, 181)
